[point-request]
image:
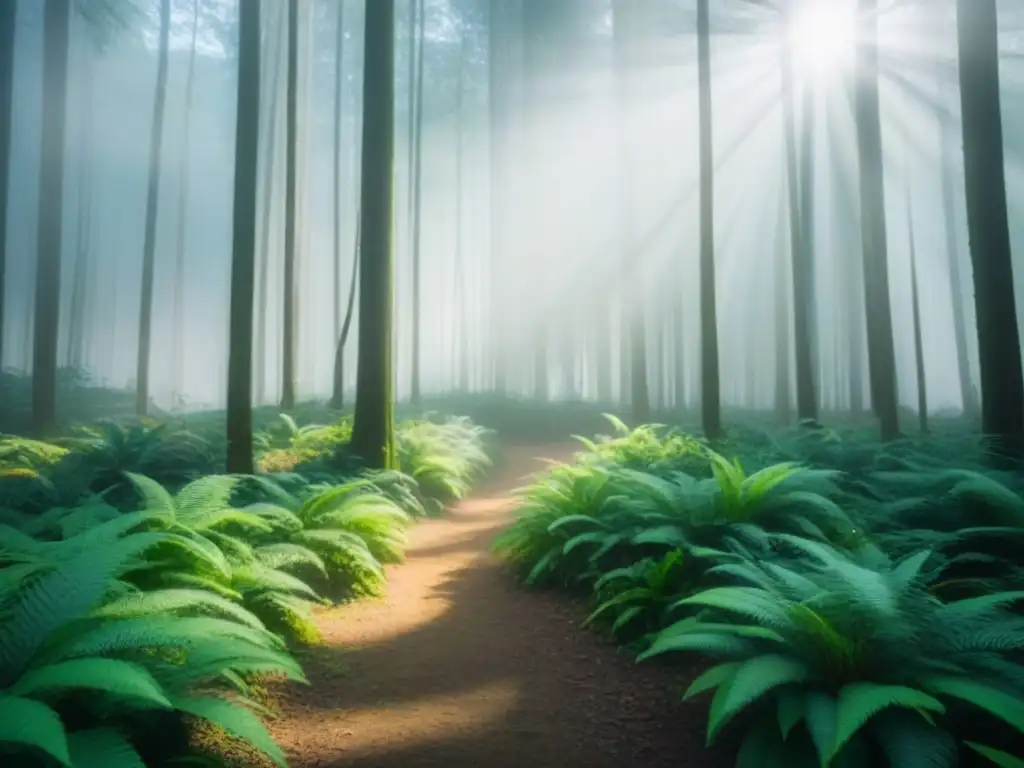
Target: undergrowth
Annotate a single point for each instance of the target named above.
(857, 604)
(146, 597)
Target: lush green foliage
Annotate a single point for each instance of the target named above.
(165, 596)
(859, 606)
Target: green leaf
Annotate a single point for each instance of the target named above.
(996, 756)
(859, 702)
(235, 721)
(32, 724)
(754, 678)
(712, 678)
(102, 748)
(110, 676)
(1002, 705)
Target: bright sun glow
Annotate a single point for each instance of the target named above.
(823, 37)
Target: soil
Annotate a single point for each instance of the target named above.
(459, 666)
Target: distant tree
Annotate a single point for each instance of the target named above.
(152, 206)
(915, 306)
(711, 407)
(243, 253)
(948, 151)
(881, 349)
(1002, 380)
(338, 380)
(629, 32)
(291, 233)
(800, 193)
(373, 425)
(417, 204)
(49, 242)
(8, 19)
(178, 353)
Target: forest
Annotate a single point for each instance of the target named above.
(598, 383)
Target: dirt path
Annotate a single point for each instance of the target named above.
(460, 667)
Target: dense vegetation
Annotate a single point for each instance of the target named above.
(856, 601)
(135, 573)
(853, 596)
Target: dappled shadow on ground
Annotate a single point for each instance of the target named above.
(459, 667)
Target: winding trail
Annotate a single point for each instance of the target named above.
(458, 666)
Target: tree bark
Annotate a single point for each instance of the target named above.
(291, 235)
(417, 207)
(183, 200)
(878, 306)
(922, 383)
(711, 406)
(1002, 381)
(373, 426)
(338, 382)
(948, 151)
(8, 19)
(49, 239)
(152, 207)
(243, 253)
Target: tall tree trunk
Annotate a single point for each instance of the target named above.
(805, 306)
(799, 173)
(338, 402)
(49, 238)
(417, 207)
(338, 382)
(291, 235)
(1002, 381)
(270, 163)
(783, 325)
(878, 307)
(628, 37)
(922, 382)
(8, 19)
(948, 151)
(86, 162)
(461, 302)
(243, 253)
(183, 200)
(711, 406)
(156, 137)
(373, 426)
(497, 105)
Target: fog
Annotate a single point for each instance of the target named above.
(593, 199)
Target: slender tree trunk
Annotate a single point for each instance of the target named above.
(711, 407)
(948, 151)
(291, 235)
(922, 382)
(627, 69)
(243, 254)
(152, 207)
(270, 162)
(183, 200)
(417, 193)
(461, 303)
(373, 427)
(338, 380)
(8, 19)
(799, 173)
(497, 100)
(783, 325)
(1002, 381)
(79, 275)
(878, 307)
(338, 402)
(803, 274)
(49, 240)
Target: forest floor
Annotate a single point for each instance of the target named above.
(460, 666)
